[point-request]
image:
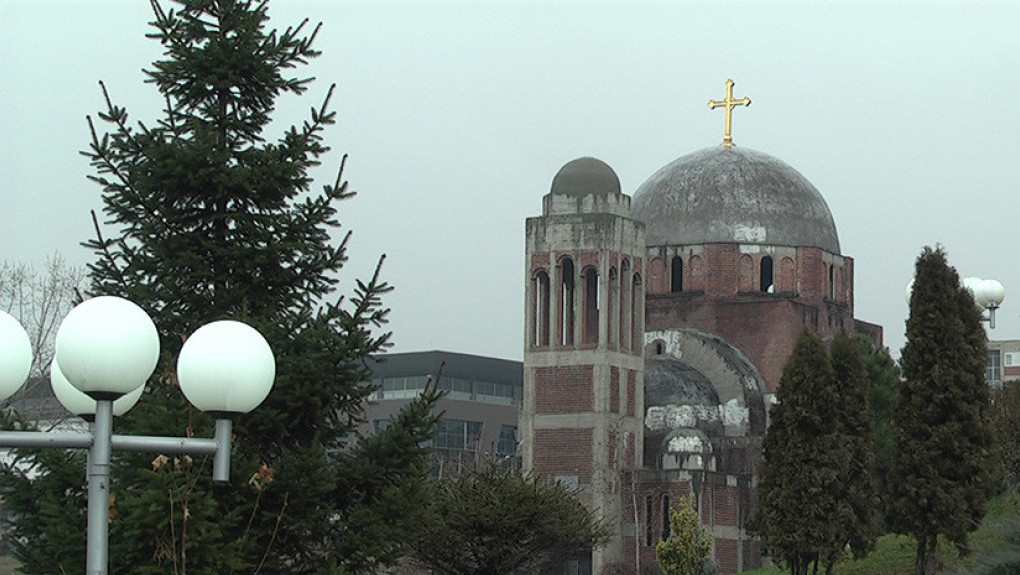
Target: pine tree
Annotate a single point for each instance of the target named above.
(210, 220)
(803, 464)
(943, 439)
(689, 543)
(858, 496)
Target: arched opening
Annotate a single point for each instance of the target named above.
(637, 338)
(659, 348)
(832, 282)
(612, 336)
(625, 295)
(566, 289)
(649, 529)
(766, 279)
(665, 516)
(676, 277)
(590, 308)
(540, 312)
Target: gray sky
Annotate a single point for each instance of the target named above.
(457, 115)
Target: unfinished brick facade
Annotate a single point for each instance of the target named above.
(648, 382)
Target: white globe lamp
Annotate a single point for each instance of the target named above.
(15, 355)
(226, 368)
(107, 347)
(82, 405)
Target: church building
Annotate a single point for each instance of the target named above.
(657, 328)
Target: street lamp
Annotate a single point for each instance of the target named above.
(988, 294)
(106, 349)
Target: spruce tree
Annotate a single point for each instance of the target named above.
(804, 463)
(210, 217)
(943, 438)
(858, 496)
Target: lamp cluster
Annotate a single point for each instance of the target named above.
(107, 347)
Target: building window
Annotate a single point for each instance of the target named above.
(457, 435)
(993, 370)
(665, 517)
(765, 283)
(1012, 358)
(541, 311)
(649, 530)
(507, 445)
(832, 282)
(676, 280)
(566, 302)
(591, 306)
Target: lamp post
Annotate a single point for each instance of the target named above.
(988, 295)
(106, 349)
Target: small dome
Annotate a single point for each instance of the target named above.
(585, 176)
(733, 195)
(671, 382)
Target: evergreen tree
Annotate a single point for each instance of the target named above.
(858, 497)
(943, 439)
(1005, 420)
(884, 378)
(212, 220)
(689, 543)
(804, 463)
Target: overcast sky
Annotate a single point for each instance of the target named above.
(457, 115)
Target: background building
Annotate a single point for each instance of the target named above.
(1003, 362)
(480, 409)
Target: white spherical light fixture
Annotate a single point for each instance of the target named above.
(15, 355)
(226, 367)
(107, 346)
(990, 293)
(82, 405)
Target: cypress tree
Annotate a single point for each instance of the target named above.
(803, 462)
(858, 497)
(209, 217)
(884, 382)
(943, 439)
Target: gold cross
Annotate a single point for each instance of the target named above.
(729, 103)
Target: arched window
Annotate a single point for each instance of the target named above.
(832, 282)
(637, 336)
(649, 529)
(613, 294)
(665, 516)
(540, 318)
(566, 289)
(766, 281)
(676, 278)
(590, 313)
(625, 295)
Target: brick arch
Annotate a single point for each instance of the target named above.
(657, 276)
(696, 275)
(745, 273)
(787, 276)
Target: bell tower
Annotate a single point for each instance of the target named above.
(581, 422)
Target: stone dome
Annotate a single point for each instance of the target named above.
(585, 176)
(733, 195)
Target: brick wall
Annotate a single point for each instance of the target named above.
(564, 452)
(564, 389)
(614, 389)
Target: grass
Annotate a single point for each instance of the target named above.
(995, 549)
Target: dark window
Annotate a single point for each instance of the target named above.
(676, 283)
(591, 306)
(649, 530)
(541, 318)
(507, 440)
(766, 282)
(832, 282)
(567, 302)
(665, 517)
